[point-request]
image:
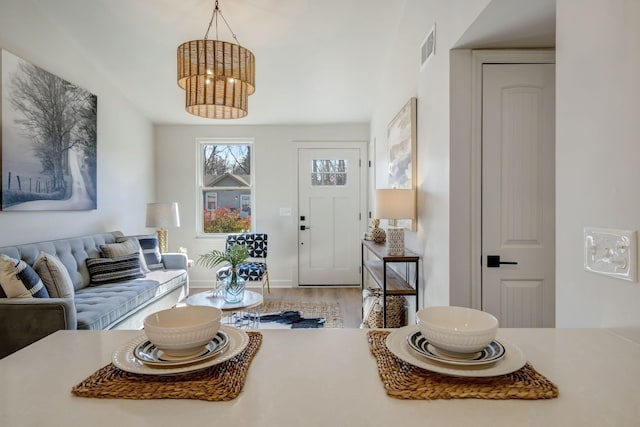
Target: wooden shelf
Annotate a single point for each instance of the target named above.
(381, 251)
(396, 284)
(389, 280)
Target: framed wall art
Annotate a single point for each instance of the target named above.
(48, 140)
(401, 140)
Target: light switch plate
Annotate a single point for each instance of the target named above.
(611, 252)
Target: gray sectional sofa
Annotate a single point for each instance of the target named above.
(120, 305)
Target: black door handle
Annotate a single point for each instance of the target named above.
(304, 227)
(493, 261)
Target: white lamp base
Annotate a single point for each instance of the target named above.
(395, 237)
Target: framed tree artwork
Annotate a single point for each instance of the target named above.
(48, 140)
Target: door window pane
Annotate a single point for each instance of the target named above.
(328, 172)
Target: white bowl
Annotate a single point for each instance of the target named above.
(182, 331)
(457, 329)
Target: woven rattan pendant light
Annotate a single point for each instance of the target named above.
(217, 76)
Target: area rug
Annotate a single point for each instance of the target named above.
(303, 312)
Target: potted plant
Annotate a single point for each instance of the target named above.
(233, 285)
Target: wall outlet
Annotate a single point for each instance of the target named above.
(611, 252)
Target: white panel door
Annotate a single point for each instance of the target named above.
(518, 194)
(329, 216)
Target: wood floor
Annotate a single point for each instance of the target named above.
(350, 299)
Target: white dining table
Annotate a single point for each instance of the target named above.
(326, 377)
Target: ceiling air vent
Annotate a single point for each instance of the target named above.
(428, 47)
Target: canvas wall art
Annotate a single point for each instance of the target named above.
(48, 140)
(401, 139)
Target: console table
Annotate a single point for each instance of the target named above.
(389, 280)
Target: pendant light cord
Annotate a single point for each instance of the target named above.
(216, 12)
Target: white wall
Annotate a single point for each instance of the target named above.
(460, 195)
(598, 153)
(125, 137)
(431, 86)
(598, 64)
(276, 177)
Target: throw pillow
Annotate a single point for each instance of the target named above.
(19, 280)
(109, 270)
(54, 275)
(125, 246)
(150, 250)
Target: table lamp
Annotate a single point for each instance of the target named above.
(395, 204)
(161, 216)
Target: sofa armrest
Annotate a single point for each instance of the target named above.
(26, 320)
(174, 261)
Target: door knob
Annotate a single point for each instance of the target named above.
(304, 227)
(493, 261)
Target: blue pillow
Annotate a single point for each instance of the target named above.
(19, 280)
(150, 250)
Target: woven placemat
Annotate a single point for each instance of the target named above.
(216, 383)
(405, 381)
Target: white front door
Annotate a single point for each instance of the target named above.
(329, 216)
(518, 194)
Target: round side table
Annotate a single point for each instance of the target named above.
(243, 314)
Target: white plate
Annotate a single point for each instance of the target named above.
(149, 354)
(513, 360)
(420, 345)
(124, 359)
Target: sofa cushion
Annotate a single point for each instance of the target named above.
(71, 251)
(54, 275)
(150, 249)
(19, 280)
(125, 246)
(110, 270)
(98, 307)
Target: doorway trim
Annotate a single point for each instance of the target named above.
(362, 146)
(478, 59)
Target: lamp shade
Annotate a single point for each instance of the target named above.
(162, 215)
(394, 203)
(217, 76)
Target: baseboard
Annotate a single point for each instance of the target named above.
(330, 286)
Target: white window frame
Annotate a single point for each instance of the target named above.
(201, 189)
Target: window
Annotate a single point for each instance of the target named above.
(328, 172)
(226, 186)
(211, 203)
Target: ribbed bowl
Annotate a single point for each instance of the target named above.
(457, 329)
(182, 331)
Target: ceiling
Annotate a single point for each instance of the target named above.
(317, 61)
(512, 24)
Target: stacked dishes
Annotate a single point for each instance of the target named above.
(180, 340)
(456, 341)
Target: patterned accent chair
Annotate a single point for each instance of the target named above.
(255, 268)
